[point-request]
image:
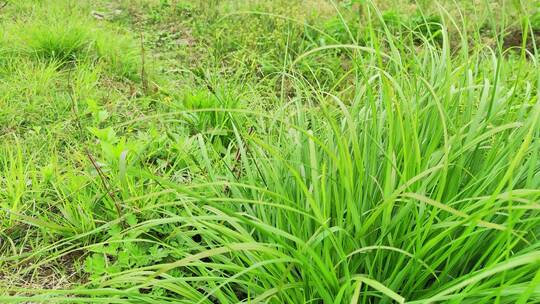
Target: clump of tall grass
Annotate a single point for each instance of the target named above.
(418, 182)
(65, 35)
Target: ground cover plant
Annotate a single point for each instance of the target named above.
(249, 151)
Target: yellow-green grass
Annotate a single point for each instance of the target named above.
(242, 152)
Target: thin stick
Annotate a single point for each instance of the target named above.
(101, 175)
(103, 179)
(144, 81)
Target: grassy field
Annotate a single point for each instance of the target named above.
(285, 151)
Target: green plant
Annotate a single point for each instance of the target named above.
(209, 114)
(279, 160)
(534, 18)
(60, 42)
(427, 27)
(393, 19)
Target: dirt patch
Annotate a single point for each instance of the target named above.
(514, 40)
(60, 274)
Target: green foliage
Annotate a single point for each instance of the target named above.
(427, 27)
(121, 253)
(72, 40)
(287, 152)
(534, 18)
(209, 113)
(393, 19)
(58, 42)
(340, 30)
